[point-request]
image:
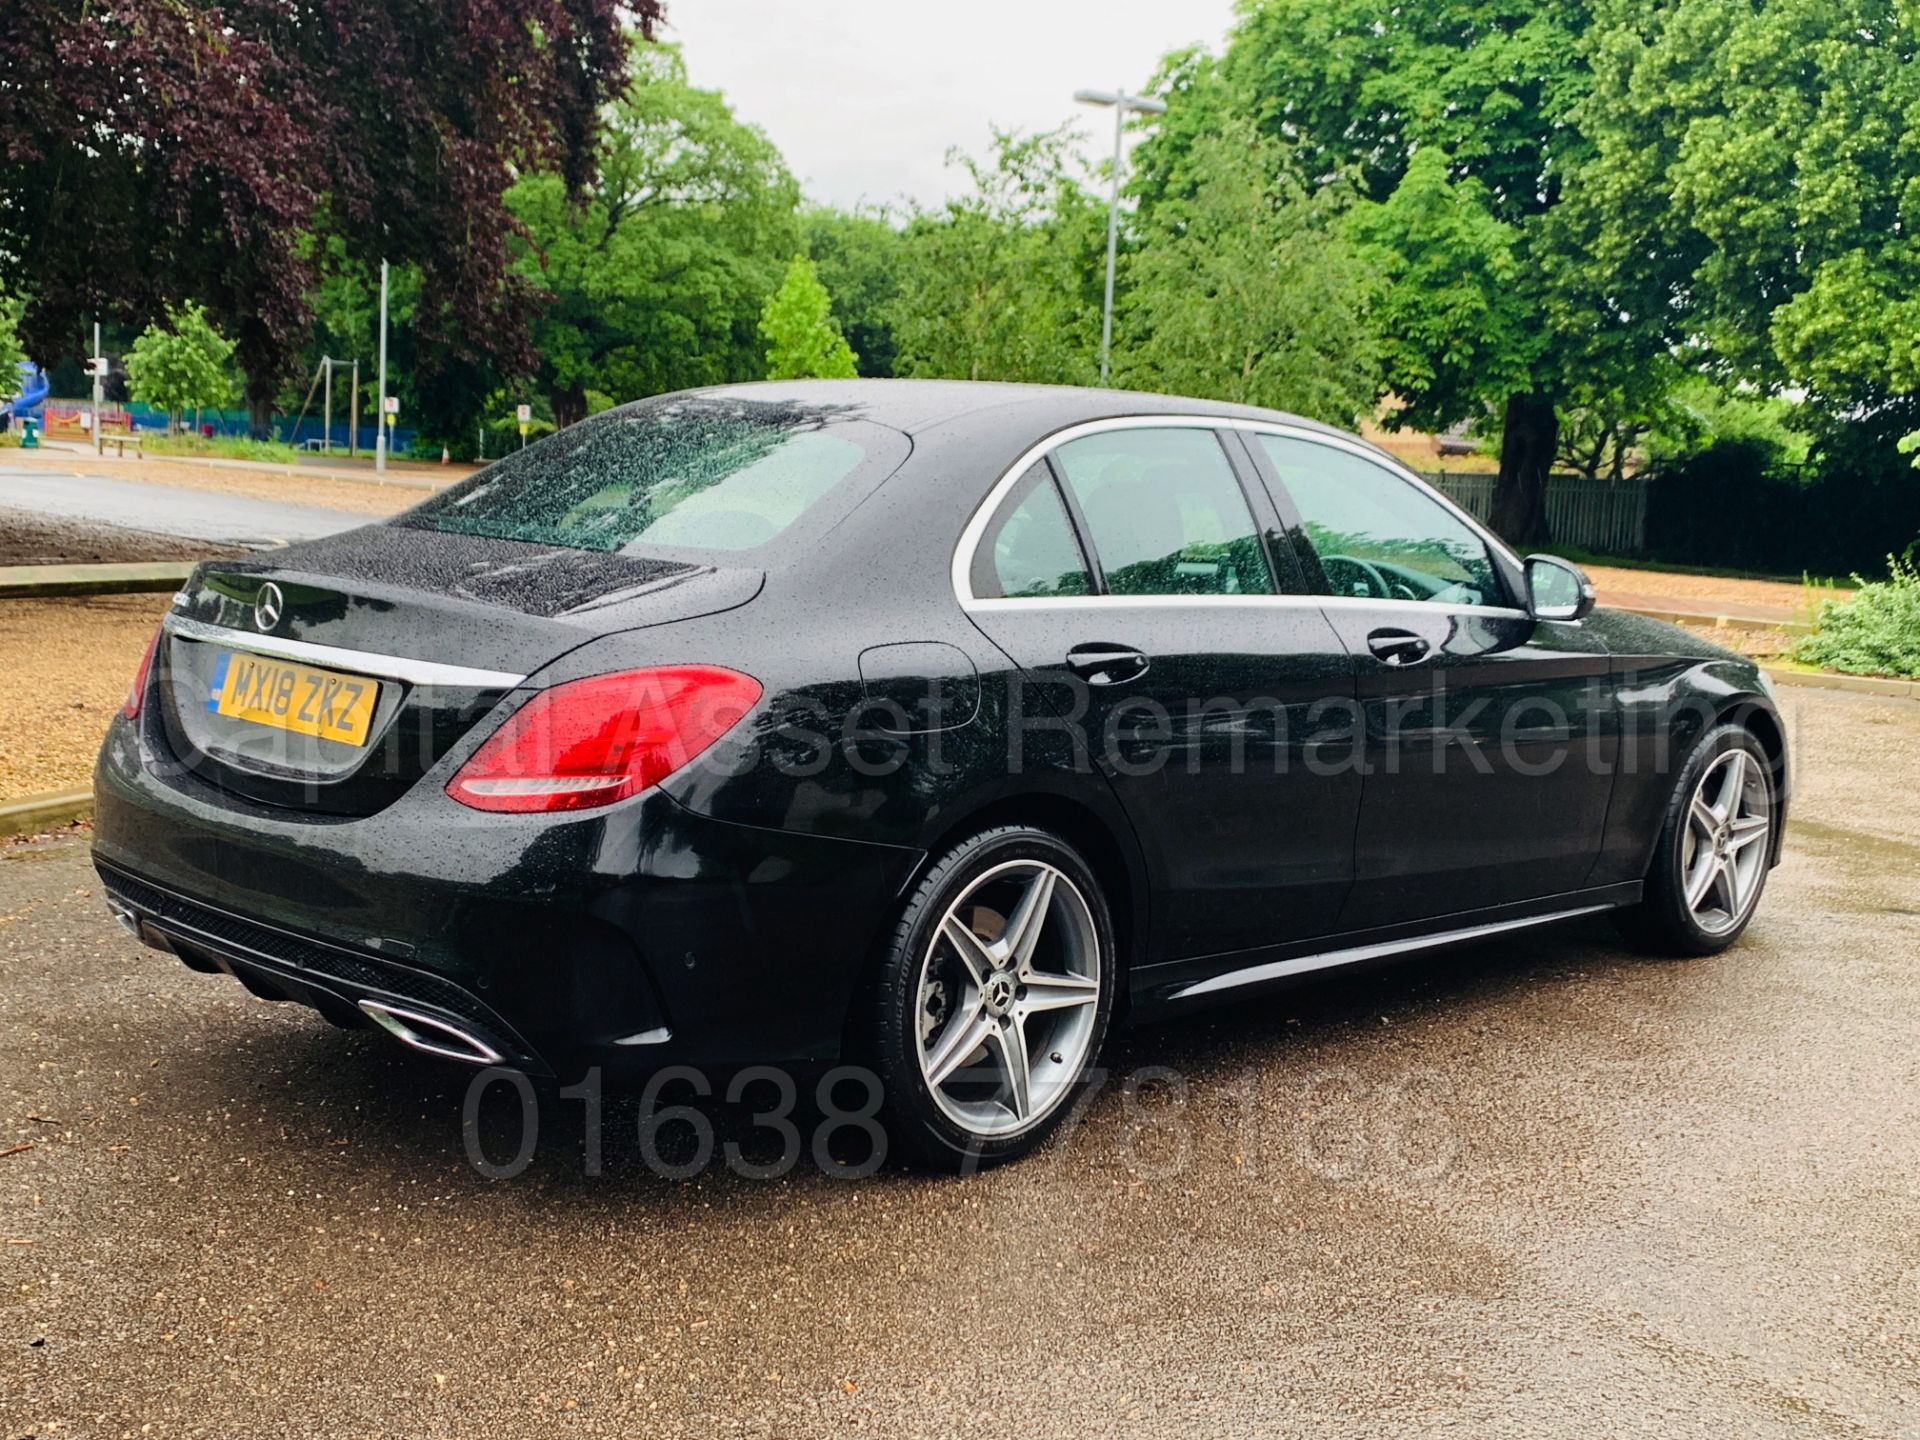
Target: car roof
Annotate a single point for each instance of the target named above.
(914, 406)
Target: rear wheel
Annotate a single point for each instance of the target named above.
(993, 998)
(1710, 863)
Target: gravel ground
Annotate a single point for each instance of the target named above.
(1699, 592)
(1762, 645)
(64, 669)
(1539, 1188)
(30, 539)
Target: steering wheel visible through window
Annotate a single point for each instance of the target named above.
(1379, 535)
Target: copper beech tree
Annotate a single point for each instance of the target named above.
(163, 151)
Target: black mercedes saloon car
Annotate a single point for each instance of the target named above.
(930, 726)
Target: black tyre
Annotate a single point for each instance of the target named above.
(1716, 841)
(992, 999)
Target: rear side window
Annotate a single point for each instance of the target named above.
(1030, 549)
(1165, 513)
(701, 474)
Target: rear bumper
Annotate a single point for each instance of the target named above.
(638, 936)
(347, 987)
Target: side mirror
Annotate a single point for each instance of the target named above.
(1557, 589)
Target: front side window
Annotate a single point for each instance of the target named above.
(1165, 514)
(1376, 535)
(703, 474)
(1030, 551)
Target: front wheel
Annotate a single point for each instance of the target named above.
(1710, 862)
(993, 998)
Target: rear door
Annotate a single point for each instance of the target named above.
(1490, 736)
(1133, 573)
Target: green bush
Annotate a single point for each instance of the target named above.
(1877, 632)
(221, 447)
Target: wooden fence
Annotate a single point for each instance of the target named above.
(1605, 516)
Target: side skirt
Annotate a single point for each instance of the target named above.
(1219, 976)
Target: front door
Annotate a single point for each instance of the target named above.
(1491, 737)
(1134, 577)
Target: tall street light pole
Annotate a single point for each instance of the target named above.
(380, 417)
(1122, 103)
(97, 362)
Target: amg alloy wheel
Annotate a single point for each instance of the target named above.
(1009, 988)
(1716, 844)
(994, 998)
(1723, 858)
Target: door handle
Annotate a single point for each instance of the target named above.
(1398, 647)
(1106, 664)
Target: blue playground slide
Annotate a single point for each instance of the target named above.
(32, 395)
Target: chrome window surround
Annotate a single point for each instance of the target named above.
(360, 662)
(976, 526)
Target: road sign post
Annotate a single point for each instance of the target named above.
(525, 413)
(97, 364)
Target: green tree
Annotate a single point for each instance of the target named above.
(444, 398)
(1455, 119)
(183, 365)
(158, 151)
(1246, 288)
(1608, 427)
(12, 352)
(1001, 283)
(1600, 439)
(803, 342)
(345, 305)
(656, 280)
(1755, 187)
(857, 256)
(1458, 327)
(1701, 410)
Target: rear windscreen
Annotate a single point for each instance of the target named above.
(690, 474)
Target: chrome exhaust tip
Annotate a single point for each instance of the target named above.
(430, 1036)
(124, 913)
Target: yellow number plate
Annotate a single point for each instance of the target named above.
(293, 697)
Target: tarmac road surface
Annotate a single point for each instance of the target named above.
(1541, 1188)
(168, 509)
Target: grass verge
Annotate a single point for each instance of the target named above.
(221, 447)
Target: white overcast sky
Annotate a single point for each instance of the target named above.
(863, 97)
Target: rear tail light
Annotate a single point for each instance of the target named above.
(138, 693)
(592, 742)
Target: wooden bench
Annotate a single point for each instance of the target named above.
(120, 443)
